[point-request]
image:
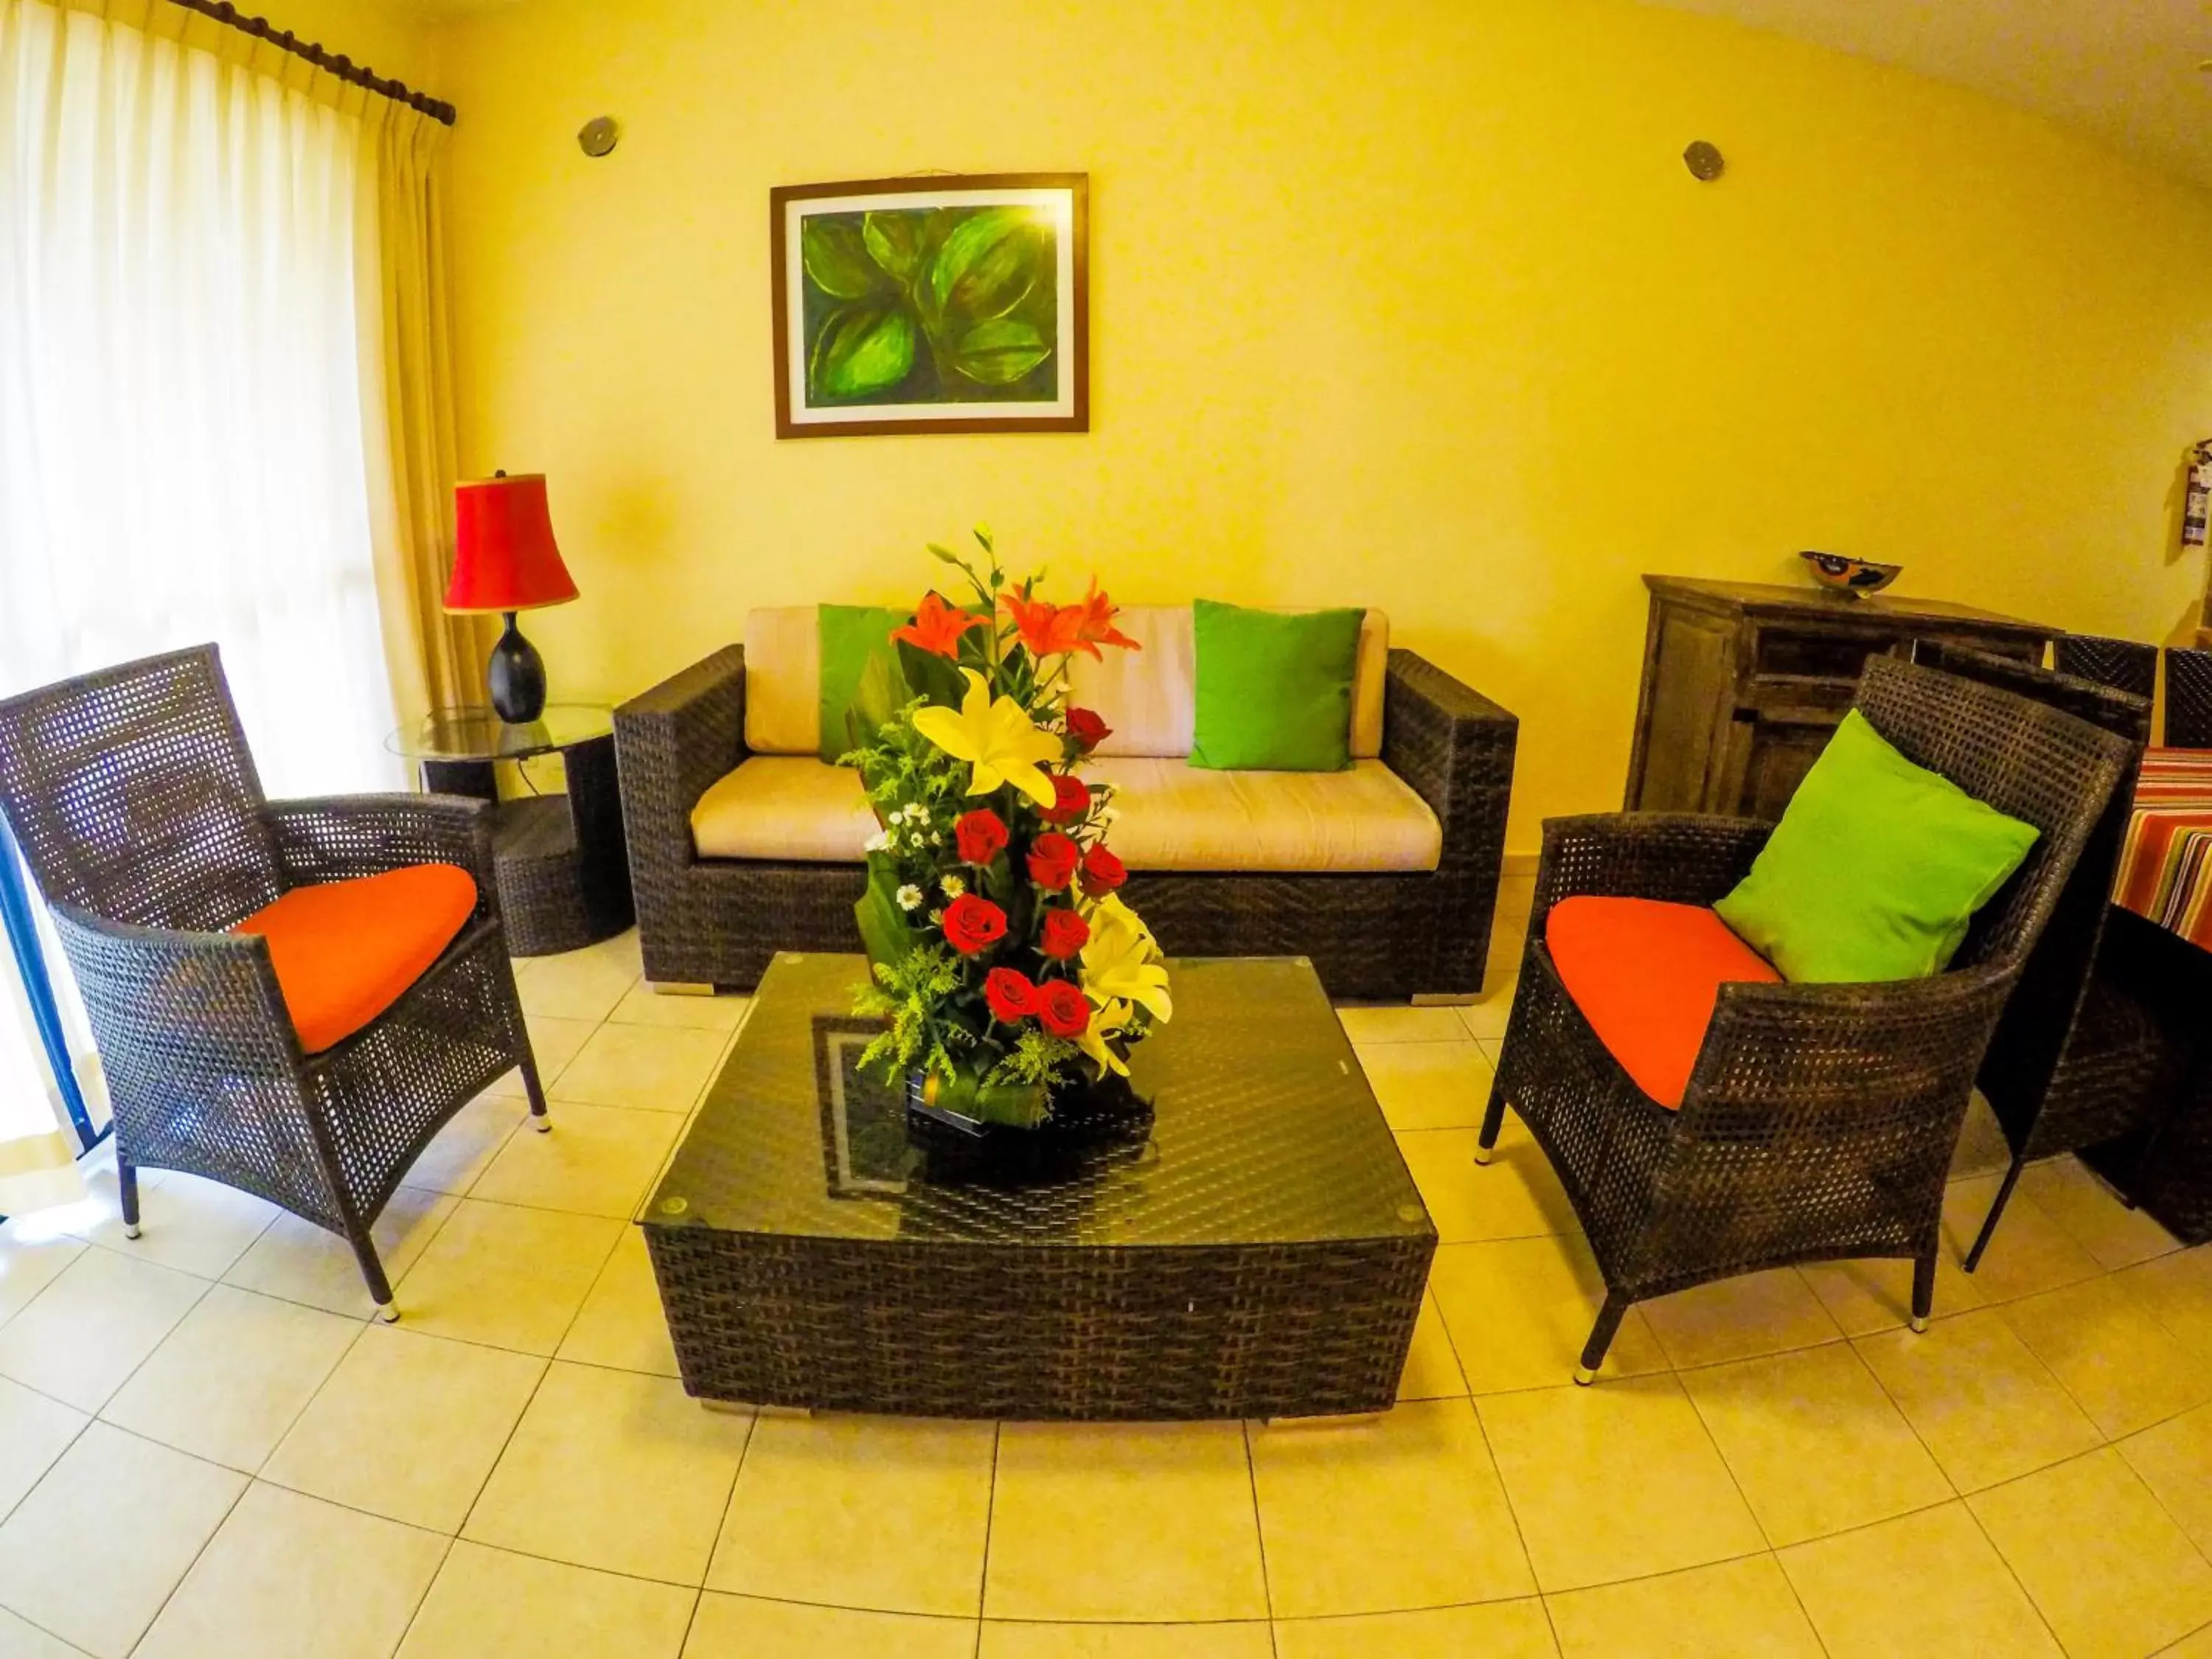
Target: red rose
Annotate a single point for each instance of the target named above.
(1074, 800)
(981, 835)
(1010, 993)
(1062, 934)
(1087, 729)
(1062, 1009)
(1053, 859)
(1102, 873)
(972, 923)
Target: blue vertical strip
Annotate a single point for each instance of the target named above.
(31, 963)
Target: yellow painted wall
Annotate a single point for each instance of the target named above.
(1410, 303)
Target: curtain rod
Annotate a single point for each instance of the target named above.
(223, 11)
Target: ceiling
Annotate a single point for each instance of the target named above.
(2123, 69)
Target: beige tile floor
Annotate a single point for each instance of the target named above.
(209, 1451)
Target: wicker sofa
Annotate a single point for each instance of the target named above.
(743, 842)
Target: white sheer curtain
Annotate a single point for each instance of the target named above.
(181, 431)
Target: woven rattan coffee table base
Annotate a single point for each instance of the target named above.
(1262, 1253)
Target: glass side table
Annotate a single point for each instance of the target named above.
(563, 866)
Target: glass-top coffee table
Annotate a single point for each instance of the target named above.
(1256, 1249)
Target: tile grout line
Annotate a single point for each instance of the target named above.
(1520, 1536)
(422, 1597)
(2013, 1572)
(1259, 1527)
(213, 1532)
(990, 1516)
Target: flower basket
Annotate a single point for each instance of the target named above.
(1003, 961)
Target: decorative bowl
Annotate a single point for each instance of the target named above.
(1848, 575)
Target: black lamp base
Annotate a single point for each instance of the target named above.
(516, 677)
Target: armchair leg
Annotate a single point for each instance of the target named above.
(1923, 1289)
(372, 1274)
(534, 1089)
(1493, 1119)
(1996, 1208)
(126, 1186)
(1601, 1337)
(525, 1056)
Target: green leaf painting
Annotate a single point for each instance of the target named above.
(930, 305)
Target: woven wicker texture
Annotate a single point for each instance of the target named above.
(2159, 985)
(2122, 664)
(1820, 1118)
(2188, 699)
(140, 815)
(1258, 1250)
(2080, 1055)
(721, 922)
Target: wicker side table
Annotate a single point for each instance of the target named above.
(563, 866)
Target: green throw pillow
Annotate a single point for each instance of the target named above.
(1274, 691)
(850, 635)
(1876, 868)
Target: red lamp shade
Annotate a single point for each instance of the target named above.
(505, 559)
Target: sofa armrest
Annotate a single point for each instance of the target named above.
(1679, 858)
(671, 743)
(1453, 747)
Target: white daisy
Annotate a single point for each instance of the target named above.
(879, 842)
(910, 897)
(915, 840)
(953, 887)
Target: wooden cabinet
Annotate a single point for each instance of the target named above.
(1743, 683)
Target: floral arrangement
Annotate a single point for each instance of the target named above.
(1003, 957)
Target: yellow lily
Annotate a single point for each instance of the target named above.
(1121, 961)
(1108, 1021)
(1000, 741)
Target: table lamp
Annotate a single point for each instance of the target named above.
(505, 561)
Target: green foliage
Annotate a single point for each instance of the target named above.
(930, 305)
(1036, 1057)
(911, 993)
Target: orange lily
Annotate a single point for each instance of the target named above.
(1048, 629)
(1095, 622)
(937, 627)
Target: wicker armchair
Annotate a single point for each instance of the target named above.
(2090, 1045)
(136, 805)
(720, 921)
(2123, 664)
(2188, 699)
(1820, 1121)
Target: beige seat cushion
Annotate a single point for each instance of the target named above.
(790, 807)
(1175, 815)
(1150, 696)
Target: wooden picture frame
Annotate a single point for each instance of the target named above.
(949, 303)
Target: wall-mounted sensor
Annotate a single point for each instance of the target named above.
(598, 135)
(1705, 161)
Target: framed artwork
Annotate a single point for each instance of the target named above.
(944, 304)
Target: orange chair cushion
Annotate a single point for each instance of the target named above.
(1646, 975)
(346, 950)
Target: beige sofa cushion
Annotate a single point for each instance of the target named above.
(1175, 815)
(794, 807)
(1150, 697)
(783, 680)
